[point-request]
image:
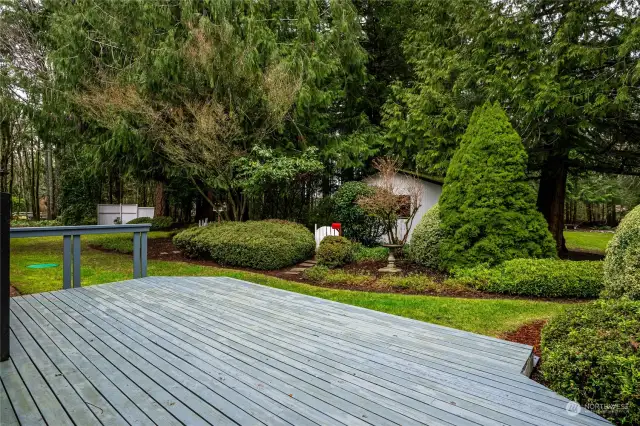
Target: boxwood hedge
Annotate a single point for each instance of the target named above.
(254, 244)
(590, 354)
(425, 240)
(537, 277)
(335, 251)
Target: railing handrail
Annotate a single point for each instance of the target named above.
(59, 231)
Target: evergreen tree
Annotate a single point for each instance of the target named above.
(566, 71)
(487, 207)
(186, 87)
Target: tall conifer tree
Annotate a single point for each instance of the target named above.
(488, 207)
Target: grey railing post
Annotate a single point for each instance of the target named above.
(66, 261)
(76, 261)
(143, 253)
(5, 222)
(136, 255)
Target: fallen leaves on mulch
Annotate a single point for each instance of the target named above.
(408, 268)
(529, 334)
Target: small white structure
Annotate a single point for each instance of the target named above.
(324, 231)
(403, 183)
(108, 214)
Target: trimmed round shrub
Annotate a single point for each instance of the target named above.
(335, 251)
(488, 206)
(425, 240)
(537, 277)
(157, 223)
(622, 261)
(591, 355)
(254, 244)
(189, 241)
(357, 225)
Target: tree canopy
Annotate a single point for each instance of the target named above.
(193, 86)
(565, 71)
(123, 97)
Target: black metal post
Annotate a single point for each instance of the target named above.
(5, 222)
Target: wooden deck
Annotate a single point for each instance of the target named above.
(199, 351)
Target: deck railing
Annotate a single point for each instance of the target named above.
(70, 259)
(71, 245)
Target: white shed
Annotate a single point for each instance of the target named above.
(403, 180)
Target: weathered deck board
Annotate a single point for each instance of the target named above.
(167, 350)
(326, 336)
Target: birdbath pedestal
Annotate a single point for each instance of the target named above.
(391, 265)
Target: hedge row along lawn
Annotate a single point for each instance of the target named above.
(485, 316)
(587, 241)
(266, 244)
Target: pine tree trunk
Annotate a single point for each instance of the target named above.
(551, 196)
(49, 166)
(110, 189)
(611, 217)
(37, 177)
(12, 175)
(6, 151)
(161, 202)
(144, 194)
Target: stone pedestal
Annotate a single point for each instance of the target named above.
(391, 261)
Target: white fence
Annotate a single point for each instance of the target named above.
(322, 232)
(108, 214)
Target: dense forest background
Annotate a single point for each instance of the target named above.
(249, 109)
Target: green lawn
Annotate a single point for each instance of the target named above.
(588, 241)
(486, 316)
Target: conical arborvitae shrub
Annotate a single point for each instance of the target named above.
(487, 207)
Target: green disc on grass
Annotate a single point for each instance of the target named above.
(42, 265)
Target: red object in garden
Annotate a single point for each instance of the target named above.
(337, 227)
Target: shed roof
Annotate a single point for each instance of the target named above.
(438, 180)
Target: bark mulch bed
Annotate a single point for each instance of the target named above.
(529, 334)
(408, 268)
